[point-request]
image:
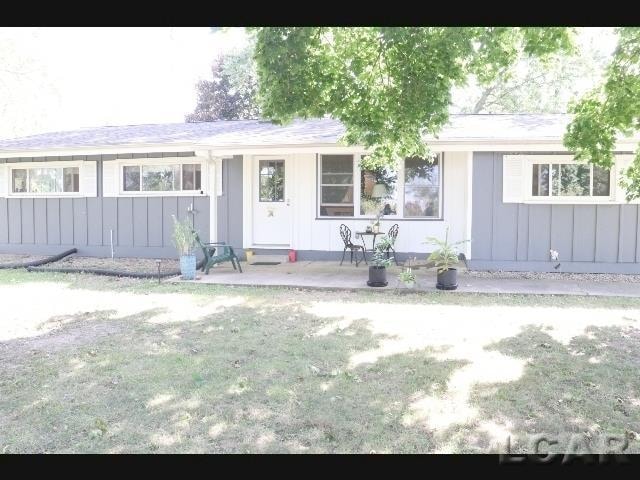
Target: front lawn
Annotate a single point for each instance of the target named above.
(93, 364)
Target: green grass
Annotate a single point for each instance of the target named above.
(122, 365)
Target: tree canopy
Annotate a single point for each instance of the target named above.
(231, 93)
(533, 85)
(388, 85)
(611, 110)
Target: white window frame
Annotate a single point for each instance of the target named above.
(557, 199)
(319, 185)
(440, 190)
(399, 192)
(35, 165)
(147, 162)
(357, 191)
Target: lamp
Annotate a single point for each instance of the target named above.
(379, 190)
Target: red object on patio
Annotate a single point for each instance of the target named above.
(292, 256)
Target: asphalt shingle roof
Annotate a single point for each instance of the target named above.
(300, 132)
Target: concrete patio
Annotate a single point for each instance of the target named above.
(332, 276)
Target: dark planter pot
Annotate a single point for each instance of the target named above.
(377, 276)
(448, 280)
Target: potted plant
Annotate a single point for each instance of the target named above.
(379, 264)
(444, 257)
(184, 239)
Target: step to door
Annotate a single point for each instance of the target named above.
(268, 259)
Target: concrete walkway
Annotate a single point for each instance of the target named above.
(331, 276)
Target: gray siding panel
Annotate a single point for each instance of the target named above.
(4, 220)
(109, 221)
(94, 221)
(66, 221)
(607, 231)
(40, 220)
(28, 227)
(201, 219)
(53, 221)
(539, 232)
(562, 231)
(504, 232)
(523, 232)
(125, 222)
(222, 205)
(140, 224)
(155, 223)
(628, 233)
(80, 221)
(169, 207)
(482, 200)
(15, 220)
(234, 190)
(512, 235)
(184, 205)
(638, 237)
(584, 233)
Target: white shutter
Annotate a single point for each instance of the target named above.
(622, 163)
(88, 179)
(513, 178)
(4, 180)
(110, 179)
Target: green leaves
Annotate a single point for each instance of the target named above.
(611, 111)
(231, 93)
(445, 254)
(389, 86)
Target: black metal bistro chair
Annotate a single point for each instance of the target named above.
(392, 235)
(345, 233)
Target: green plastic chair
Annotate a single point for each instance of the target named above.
(210, 257)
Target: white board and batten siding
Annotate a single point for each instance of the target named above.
(310, 232)
(517, 179)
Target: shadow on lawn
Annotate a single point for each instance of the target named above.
(231, 382)
(258, 379)
(574, 394)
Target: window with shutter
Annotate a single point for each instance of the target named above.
(513, 179)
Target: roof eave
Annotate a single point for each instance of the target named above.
(450, 144)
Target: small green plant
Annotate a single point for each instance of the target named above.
(184, 237)
(379, 258)
(445, 256)
(407, 276)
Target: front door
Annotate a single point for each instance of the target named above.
(271, 212)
